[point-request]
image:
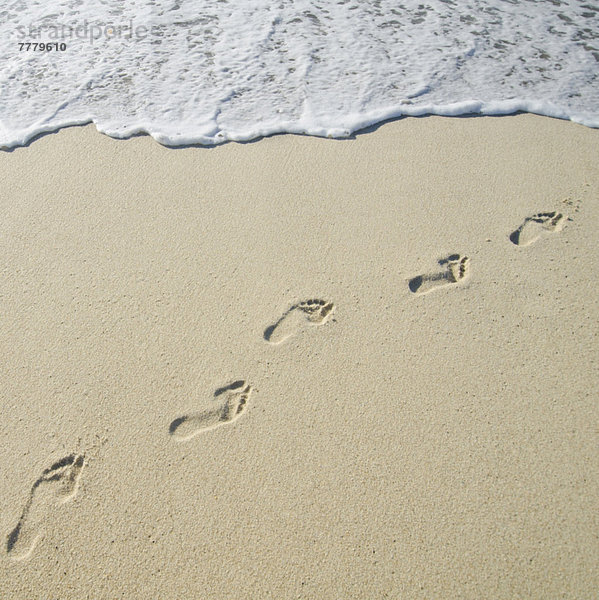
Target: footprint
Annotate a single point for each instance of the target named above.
(310, 312)
(536, 226)
(232, 406)
(57, 485)
(457, 269)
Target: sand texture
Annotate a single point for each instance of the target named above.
(302, 368)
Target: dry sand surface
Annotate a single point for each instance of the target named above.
(302, 368)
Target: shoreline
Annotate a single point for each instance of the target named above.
(370, 126)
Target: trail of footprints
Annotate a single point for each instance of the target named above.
(455, 268)
(58, 484)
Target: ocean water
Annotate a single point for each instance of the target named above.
(208, 71)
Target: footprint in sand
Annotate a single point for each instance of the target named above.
(457, 269)
(536, 226)
(298, 317)
(57, 485)
(232, 404)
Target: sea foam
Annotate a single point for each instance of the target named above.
(207, 72)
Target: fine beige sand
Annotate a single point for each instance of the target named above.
(302, 368)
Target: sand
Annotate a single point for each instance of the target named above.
(302, 368)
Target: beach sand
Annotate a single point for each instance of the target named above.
(300, 367)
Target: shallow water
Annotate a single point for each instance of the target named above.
(206, 72)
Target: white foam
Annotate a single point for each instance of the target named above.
(233, 70)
